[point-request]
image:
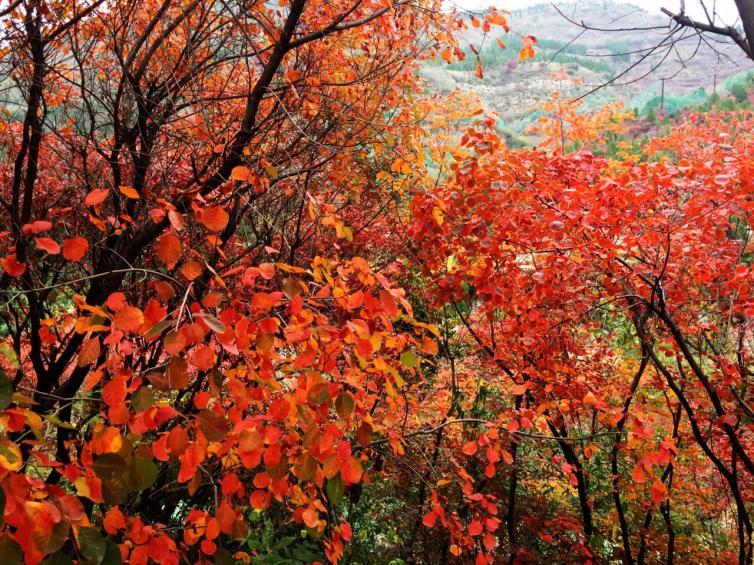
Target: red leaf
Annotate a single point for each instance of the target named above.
(37, 226)
(114, 521)
(116, 301)
(190, 460)
(475, 528)
(658, 491)
(364, 347)
(430, 519)
(12, 266)
(75, 248)
(47, 244)
(638, 474)
(489, 542)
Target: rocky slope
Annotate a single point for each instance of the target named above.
(575, 62)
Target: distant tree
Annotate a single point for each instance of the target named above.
(739, 92)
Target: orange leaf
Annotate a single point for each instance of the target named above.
(169, 249)
(469, 448)
(240, 173)
(129, 192)
(96, 197)
(267, 270)
(310, 517)
(89, 352)
(128, 319)
(351, 471)
(192, 269)
(215, 218)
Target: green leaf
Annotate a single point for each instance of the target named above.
(409, 359)
(110, 466)
(57, 422)
(7, 352)
(6, 390)
(141, 474)
(58, 558)
(92, 545)
(8, 454)
(335, 489)
(10, 551)
(222, 557)
(214, 426)
(158, 328)
(344, 404)
(213, 323)
(319, 394)
(53, 539)
(114, 491)
(142, 399)
(112, 554)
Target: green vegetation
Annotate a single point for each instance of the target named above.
(548, 50)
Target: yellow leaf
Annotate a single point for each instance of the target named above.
(438, 215)
(19, 398)
(82, 489)
(32, 420)
(10, 456)
(240, 173)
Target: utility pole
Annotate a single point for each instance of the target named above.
(662, 95)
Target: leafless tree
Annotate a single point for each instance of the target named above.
(713, 32)
(712, 25)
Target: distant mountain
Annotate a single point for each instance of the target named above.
(589, 59)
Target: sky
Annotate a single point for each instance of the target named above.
(726, 9)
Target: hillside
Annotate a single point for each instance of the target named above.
(575, 62)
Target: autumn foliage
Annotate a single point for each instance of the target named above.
(265, 300)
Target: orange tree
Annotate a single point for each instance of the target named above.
(190, 338)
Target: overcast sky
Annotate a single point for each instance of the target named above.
(726, 9)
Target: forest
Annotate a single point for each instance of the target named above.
(265, 298)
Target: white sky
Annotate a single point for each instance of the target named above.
(725, 9)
